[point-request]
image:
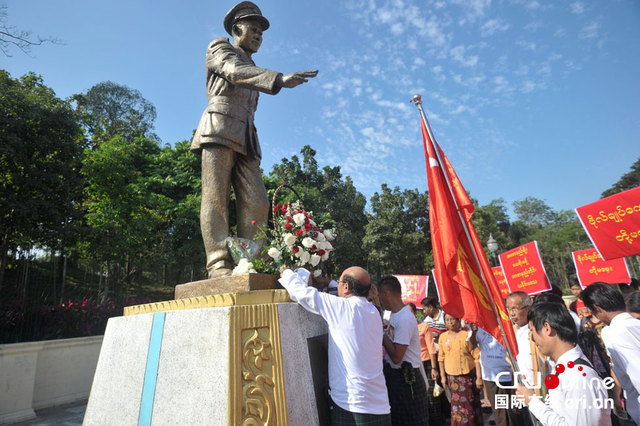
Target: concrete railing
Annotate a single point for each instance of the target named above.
(36, 375)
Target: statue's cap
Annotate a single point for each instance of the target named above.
(244, 10)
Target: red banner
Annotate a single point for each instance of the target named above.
(523, 269)
(591, 268)
(502, 283)
(613, 224)
(414, 288)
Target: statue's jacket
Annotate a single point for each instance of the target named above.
(233, 83)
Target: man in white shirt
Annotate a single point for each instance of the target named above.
(495, 369)
(621, 337)
(356, 380)
(518, 304)
(405, 383)
(577, 395)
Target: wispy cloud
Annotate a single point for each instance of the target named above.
(458, 54)
(492, 27)
(589, 32)
(577, 8)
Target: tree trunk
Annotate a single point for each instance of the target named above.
(4, 257)
(54, 268)
(64, 276)
(105, 293)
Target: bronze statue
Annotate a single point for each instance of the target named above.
(226, 137)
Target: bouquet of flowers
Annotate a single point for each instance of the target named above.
(298, 240)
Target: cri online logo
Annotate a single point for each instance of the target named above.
(552, 380)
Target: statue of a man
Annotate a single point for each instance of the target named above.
(226, 137)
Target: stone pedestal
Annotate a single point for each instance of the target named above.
(229, 359)
(228, 284)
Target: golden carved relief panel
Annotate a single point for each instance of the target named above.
(257, 394)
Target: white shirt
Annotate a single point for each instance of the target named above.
(493, 357)
(437, 324)
(576, 400)
(525, 363)
(576, 319)
(355, 341)
(622, 339)
(404, 331)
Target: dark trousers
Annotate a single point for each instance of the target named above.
(435, 406)
(342, 417)
(503, 416)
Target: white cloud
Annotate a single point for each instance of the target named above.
(589, 32)
(527, 45)
(577, 8)
(473, 9)
(492, 27)
(458, 54)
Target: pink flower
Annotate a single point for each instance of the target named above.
(253, 222)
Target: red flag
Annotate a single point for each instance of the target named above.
(457, 275)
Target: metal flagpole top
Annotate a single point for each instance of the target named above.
(417, 99)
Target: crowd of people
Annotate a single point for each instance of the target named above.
(574, 365)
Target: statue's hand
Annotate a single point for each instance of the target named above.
(297, 78)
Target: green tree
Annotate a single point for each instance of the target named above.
(397, 232)
(629, 180)
(39, 156)
(175, 173)
(124, 218)
(109, 109)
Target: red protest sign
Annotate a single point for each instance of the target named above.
(414, 288)
(502, 283)
(613, 224)
(591, 268)
(523, 269)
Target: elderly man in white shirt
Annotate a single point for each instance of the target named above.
(577, 394)
(621, 337)
(356, 379)
(518, 304)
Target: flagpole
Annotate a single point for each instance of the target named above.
(417, 99)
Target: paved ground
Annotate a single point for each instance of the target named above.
(65, 415)
(72, 415)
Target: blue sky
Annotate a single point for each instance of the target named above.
(527, 98)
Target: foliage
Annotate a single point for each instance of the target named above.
(39, 159)
(397, 233)
(629, 180)
(27, 321)
(109, 109)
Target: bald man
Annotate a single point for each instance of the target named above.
(356, 381)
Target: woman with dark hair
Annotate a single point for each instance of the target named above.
(460, 370)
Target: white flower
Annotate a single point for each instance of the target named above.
(320, 237)
(325, 245)
(328, 233)
(274, 253)
(304, 256)
(315, 259)
(298, 218)
(244, 267)
(317, 273)
(325, 256)
(308, 242)
(289, 239)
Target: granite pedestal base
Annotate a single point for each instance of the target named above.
(235, 359)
